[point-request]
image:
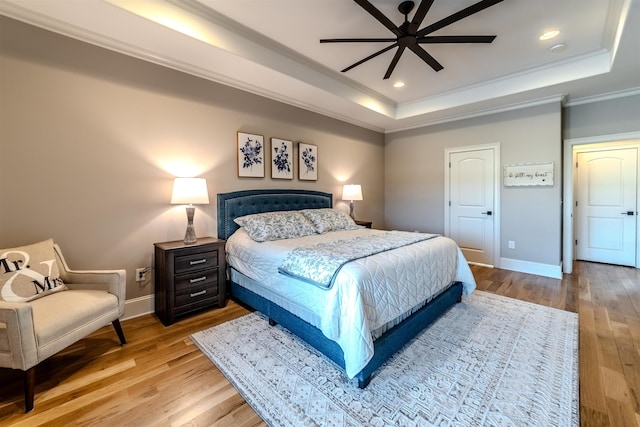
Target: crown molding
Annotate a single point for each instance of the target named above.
(603, 97)
(559, 98)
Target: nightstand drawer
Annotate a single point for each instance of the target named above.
(197, 261)
(196, 295)
(200, 279)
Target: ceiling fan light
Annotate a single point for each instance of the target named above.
(549, 34)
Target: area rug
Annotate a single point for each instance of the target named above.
(488, 361)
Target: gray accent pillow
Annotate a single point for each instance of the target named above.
(276, 225)
(328, 219)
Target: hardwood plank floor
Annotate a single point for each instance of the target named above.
(160, 378)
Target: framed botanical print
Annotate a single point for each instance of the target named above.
(250, 155)
(307, 162)
(281, 159)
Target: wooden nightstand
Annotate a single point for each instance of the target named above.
(365, 223)
(189, 278)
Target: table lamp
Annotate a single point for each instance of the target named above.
(351, 192)
(190, 191)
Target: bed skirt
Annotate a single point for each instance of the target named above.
(384, 347)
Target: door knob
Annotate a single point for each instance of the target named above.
(630, 213)
(487, 213)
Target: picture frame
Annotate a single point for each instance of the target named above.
(281, 158)
(251, 157)
(307, 162)
(528, 174)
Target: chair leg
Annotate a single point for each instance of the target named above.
(118, 328)
(29, 387)
(30, 374)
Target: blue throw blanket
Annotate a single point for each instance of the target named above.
(319, 264)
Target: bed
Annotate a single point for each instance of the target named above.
(351, 327)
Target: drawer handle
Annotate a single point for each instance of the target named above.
(199, 279)
(197, 294)
(199, 261)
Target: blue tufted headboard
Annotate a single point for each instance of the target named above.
(240, 203)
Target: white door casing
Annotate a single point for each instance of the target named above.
(571, 147)
(606, 190)
(471, 200)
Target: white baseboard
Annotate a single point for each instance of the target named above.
(546, 270)
(138, 307)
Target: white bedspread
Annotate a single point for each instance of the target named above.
(367, 294)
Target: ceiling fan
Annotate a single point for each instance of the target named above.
(408, 36)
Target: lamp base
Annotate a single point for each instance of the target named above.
(351, 205)
(190, 234)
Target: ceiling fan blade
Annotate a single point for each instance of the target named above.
(394, 62)
(455, 39)
(380, 52)
(418, 50)
(474, 8)
(424, 7)
(364, 40)
(373, 11)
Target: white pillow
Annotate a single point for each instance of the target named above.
(29, 272)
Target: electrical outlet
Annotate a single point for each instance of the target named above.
(512, 244)
(140, 274)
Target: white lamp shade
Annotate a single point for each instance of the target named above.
(190, 191)
(352, 192)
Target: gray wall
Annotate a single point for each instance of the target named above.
(530, 216)
(91, 141)
(614, 116)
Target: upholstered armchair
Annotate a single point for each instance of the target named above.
(33, 330)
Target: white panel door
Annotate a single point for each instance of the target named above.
(471, 198)
(606, 206)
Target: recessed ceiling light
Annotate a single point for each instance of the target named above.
(549, 34)
(398, 84)
(558, 47)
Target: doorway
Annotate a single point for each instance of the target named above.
(571, 147)
(471, 201)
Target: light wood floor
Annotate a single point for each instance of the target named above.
(160, 378)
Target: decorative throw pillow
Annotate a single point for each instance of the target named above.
(276, 225)
(328, 219)
(29, 272)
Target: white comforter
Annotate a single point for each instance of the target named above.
(369, 295)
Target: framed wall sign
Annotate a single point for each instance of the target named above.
(281, 159)
(250, 155)
(528, 174)
(307, 162)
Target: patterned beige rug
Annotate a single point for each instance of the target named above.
(489, 361)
